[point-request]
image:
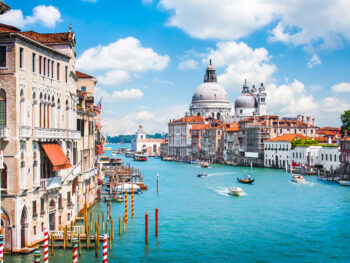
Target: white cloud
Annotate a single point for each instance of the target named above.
(125, 55)
(114, 77)
(156, 121)
(47, 16)
(341, 87)
(322, 23)
(163, 82)
(188, 64)
(315, 60)
(118, 95)
(146, 2)
(241, 62)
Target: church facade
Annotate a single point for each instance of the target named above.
(210, 99)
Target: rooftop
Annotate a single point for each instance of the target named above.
(287, 138)
(83, 75)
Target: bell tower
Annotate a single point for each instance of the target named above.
(262, 100)
(140, 134)
(210, 75)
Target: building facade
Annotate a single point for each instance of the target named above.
(39, 137)
(145, 145)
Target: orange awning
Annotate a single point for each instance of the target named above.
(57, 157)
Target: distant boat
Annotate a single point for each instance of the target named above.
(344, 183)
(205, 165)
(298, 179)
(140, 157)
(202, 174)
(107, 149)
(129, 154)
(236, 191)
(245, 180)
(115, 161)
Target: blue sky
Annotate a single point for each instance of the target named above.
(149, 56)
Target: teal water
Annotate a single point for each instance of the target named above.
(276, 221)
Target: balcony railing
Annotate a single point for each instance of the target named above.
(25, 132)
(51, 183)
(55, 133)
(88, 174)
(4, 132)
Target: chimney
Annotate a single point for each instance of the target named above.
(302, 118)
(308, 121)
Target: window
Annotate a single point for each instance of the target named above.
(66, 73)
(326, 157)
(52, 69)
(58, 71)
(3, 56)
(21, 51)
(322, 156)
(91, 128)
(48, 67)
(40, 64)
(34, 230)
(44, 67)
(60, 203)
(80, 126)
(42, 205)
(68, 198)
(335, 157)
(330, 157)
(34, 209)
(280, 130)
(3, 102)
(33, 62)
(275, 130)
(312, 131)
(83, 88)
(42, 227)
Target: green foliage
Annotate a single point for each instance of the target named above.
(305, 142)
(129, 138)
(345, 119)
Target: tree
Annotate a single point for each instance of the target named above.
(345, 119)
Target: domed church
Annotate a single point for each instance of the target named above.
(211, 100)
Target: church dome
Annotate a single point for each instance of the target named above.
(210, 91)
(245, 100)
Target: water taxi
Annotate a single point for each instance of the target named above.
(122, 188)
(202, 174)
(129, 154)
(236, 191)
(298, 179)
(140, 157)
(205, 165)
(344, 183)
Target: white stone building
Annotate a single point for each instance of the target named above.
(142, 144)
(329, 157)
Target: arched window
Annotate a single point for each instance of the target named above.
(3, 113)
(218, 115)
(198, 114)
(22, 109)
(4, 177)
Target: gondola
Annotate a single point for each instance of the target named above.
(245, 181)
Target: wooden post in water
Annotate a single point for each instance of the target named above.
(71, 232)
(126, 207)
(112, 229)
(65, 237)
(99, 221)
(88, 239)
(103, 222)
(107, 227)
(132, 201)
(79, 244)
(120, 225)
(156, 222)
(157, 183)
(90, 222)
(96, 245)
(52, 245)
(110, 239)
(146, 228)
(124, 224)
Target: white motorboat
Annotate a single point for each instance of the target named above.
(127, 187)
(236, 191)
(344, 183)
(296, 178)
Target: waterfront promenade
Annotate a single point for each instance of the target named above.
(276, 221)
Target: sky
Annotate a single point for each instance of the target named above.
(149, 56)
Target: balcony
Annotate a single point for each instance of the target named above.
(55, 133)
(4, 132)
(25, 132)
(51, 183)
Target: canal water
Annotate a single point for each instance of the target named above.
(275, 220)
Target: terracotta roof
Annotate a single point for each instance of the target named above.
(199, 126)
(329, 129)
(7, 28)
(287, 138)
(232, 128)
(50, 38)
(190, 119)
(83, 75)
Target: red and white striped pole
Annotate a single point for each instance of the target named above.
(105, 245)
(132, 202)
(75, 249)
(46, 245)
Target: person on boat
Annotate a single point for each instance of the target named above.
(248, 176)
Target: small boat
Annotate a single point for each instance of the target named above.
(118, 198)
(344, 183)
(129, 154)
(205, 165)
(245, 180)
(140, 157)
(128, 188)
(202, 174)
(115, 161)
(298, 179)
(236, 191)
(108, 198)
(105, 159)
(107, 149)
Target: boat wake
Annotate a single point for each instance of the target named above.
(215, 174)
(225, 191)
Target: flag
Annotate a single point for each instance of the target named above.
(99, 104)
